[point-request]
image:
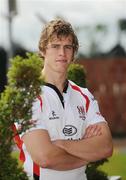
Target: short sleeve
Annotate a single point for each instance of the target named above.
(93, 113)
(38, 117)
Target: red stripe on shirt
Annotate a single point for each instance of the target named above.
(19, 143)
(36, 169)
(76, 88)
(40, 99)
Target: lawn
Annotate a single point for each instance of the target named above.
(116, 165)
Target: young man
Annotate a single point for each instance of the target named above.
(70, 132)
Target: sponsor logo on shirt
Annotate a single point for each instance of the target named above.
(81, 112)
(53, 116)
(69, 130)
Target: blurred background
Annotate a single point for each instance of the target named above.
(101, 29)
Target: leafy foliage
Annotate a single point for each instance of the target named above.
(94, 173)
(24, 81)
(77, 74)
(9, 169)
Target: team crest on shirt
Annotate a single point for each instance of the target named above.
(53, 116)
(98, 113)
(81, 112)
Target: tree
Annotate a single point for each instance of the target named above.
(77, 74)
(3, 67)
(23, 87)
(121, 28)
(92, 39)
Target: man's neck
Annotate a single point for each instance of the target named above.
(55, 78)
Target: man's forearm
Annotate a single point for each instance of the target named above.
(61, 160)
(47, 155)
(89, 149)
(86, 149)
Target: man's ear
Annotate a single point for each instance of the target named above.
(42, 54)
(73, 58)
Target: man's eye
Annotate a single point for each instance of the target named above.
(69, 47)
(54, 46)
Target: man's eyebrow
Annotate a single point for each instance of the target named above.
(61, 45)
(54, 44)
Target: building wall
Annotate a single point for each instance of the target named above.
(106, 79)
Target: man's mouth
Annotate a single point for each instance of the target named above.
(61, 60)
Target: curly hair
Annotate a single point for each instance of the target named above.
(59, 28)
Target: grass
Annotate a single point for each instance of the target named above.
(116, 166)
(15, 154)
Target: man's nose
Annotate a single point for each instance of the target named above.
(62, 50)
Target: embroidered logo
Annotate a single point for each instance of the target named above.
(53, 116)
(81, 112)
(69, 130)
(98, 113)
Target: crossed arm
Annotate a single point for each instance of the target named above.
(65, 154)
(96, 144)
(48, 155)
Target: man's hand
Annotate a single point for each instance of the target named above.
(92, 130)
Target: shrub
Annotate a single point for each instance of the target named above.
(15, 107)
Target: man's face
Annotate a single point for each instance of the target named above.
(59, 53)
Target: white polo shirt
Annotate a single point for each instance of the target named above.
(64, 117)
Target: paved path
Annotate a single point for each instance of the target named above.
(120, 144)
